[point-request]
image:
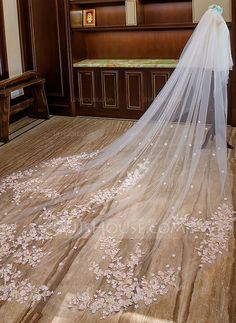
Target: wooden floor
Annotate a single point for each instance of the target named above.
(210, 298)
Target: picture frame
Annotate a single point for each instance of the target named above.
(131, 12)
(89, 18)
(76, 18)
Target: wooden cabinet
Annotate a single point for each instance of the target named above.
(162, 30)
(117, 92)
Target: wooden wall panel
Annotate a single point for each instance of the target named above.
(136, 44)
(104, 15)
(50, 46)
(155, 13)
(78, 46)
(48, 49)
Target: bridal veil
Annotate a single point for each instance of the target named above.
(150, 204)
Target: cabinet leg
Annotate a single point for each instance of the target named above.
(40, 106)
(4, 118)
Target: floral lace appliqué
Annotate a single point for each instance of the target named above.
(70, 162)
(217, 231)
(14, 288)
(124, 287)
(29, 248)
(18, 183)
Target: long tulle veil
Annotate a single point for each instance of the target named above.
(162, 185)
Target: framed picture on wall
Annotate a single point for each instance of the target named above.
(131, 12)
(76, 18)
(89, 18)
(200, 6)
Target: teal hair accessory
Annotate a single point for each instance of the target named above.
(217, 8)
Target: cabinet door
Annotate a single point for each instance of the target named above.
(86, 87)
(158, 80)
(110, 89)
(98, 92)
(136, 90)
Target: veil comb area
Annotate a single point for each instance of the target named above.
(121, 226)
(217, 8)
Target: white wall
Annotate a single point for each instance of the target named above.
(200, 6)
(12, 37)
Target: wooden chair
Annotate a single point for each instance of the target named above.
(34, 99)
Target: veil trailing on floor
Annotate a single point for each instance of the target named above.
(160, 188)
